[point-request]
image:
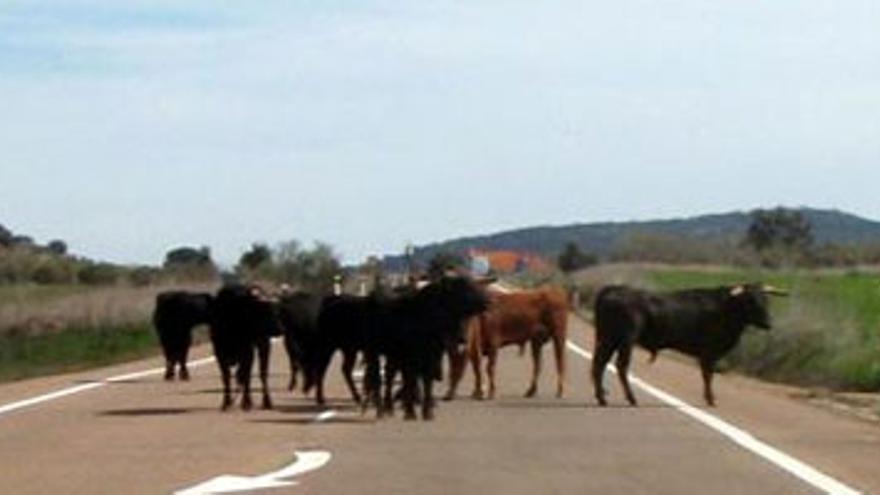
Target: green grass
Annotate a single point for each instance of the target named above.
(827, 333)
(23, 356)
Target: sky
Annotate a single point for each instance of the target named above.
(129, 128)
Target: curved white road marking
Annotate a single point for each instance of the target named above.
(305, 461)
(13, 406)
(739, 436)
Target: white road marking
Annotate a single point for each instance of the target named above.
(13, 406)
(305, 461)
(739, 436)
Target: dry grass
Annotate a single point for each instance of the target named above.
(32, 311)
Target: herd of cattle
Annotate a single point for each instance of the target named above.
(408, 331)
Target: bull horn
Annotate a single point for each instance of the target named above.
(773, 291)
(737, 290)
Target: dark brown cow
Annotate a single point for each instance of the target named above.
(532, 317)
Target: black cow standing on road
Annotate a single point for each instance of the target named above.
(413, 331)
(174, 317)
(298, 312)
(242, 320)
(342, 326)
(704, 323)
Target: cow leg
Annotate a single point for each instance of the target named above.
(183, 372)
(623, 358)
(168, 351)
(457, 361)
(537, 346)
(349, 359)
(263, 350)
(478, 375)
(559, 355)
(243, 376)
(602, 355)
(707, 367)
(390, 374)
(427, 397)
(490, 371)
(318, 378)
(294, 369)
(409, 394)
(226, 376)
(169, 369)
(372, 384)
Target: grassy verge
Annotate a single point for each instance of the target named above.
(826, 334)
(25, 356)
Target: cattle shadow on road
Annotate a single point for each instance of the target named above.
(541, 404)
(313, 408)
(153, 411)
(311, 421)
(218, 391)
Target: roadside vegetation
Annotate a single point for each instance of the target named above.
(60, 312)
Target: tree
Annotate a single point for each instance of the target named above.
(57, 246)
(780, 227)
(188, 256)
(5, 236)
(572, 258)
(258, 255)
(190, 263)
(442, 262)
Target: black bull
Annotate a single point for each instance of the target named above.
(176, 313)
(703, 323)
(242, 321)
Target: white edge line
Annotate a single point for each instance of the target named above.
(741, 437)
(14, 406)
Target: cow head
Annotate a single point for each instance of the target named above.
(460, 297)
(752, 304)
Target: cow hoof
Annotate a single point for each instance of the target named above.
(169, 376)
(602, 402)
(531, 392)
(246, 406)
(225, 405)
(448, 397)
(184, 375)
(477, 395)
(267, 404)
(428, 416)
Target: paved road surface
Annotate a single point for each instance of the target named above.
(142, 435)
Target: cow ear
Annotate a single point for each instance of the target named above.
(737, 290)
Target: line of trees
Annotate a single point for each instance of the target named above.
(290, 263)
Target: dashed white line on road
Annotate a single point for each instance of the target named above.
(739, 436)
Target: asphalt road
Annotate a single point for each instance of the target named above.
(139, 434)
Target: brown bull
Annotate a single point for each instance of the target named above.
(532, 317)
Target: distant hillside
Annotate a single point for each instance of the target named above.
(829, 226)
